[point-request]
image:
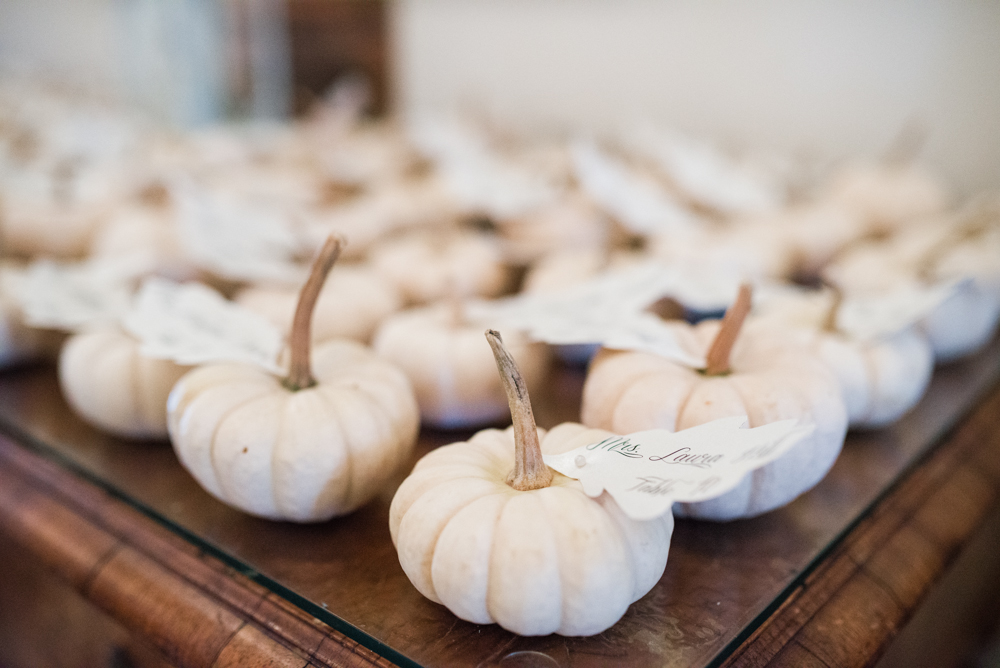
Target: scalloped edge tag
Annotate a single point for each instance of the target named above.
(647, 471)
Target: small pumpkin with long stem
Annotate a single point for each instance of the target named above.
(453, 374)
(485, 528)
(316, 444)
(763, 374)
(881, 378)
(963, 249)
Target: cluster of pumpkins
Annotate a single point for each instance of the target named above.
(422, 221)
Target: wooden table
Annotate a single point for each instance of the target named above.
(827, 581)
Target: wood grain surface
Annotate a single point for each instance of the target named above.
(827, 580)
(852, 605)
(195, 610)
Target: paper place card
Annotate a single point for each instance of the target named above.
(648, 471)
(610, 310)
(868, 317)
(192, 324)
(476, 175)
(236, 240)
(76, 296)
(637, 202)
(704, 172)
(498, 188)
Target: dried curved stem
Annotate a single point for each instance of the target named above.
(300, 339)
(717, 360)
(529, 471)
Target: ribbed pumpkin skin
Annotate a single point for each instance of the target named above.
(773, 378)
(544, 561)
(108, 383)
(881, 380)
(303, 456)
(452, 371)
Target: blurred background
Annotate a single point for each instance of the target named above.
(831, 79)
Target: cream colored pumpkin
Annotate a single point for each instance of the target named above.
(937, 250)
(564, 269)
(52, 229)
(318, 444)
(535, 558)
(305, 455)
(142, 230)
(572, 223)
(888, 195)
(353, 302)
(810, 233)
(771, 378)
(453, 374)
(111, 385)
(426, 267)
(880, 379)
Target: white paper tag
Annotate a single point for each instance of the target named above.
(646, 472)
(236, 240)
(637, 202)
(75, 296)
(871, 317)
(192, 324)
(705, 172)
(609, 310)
(475, 174)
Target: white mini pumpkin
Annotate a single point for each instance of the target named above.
(529, 551)
(888, 195)
(318, 444)
(963, 249)
(453, 374)
(147, 230)
(32, 228)
(880, 378)
(353, 302)
(571, 223)
(111, 385)
(428, 266)
(763, 375)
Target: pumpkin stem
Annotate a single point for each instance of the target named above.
(300, 339)
(529, 471)
(718, 354)
(830, 320)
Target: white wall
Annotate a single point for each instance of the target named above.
(73, 39)
(840, 77)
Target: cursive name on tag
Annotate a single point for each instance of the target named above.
(646, 472)
(192, 324)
